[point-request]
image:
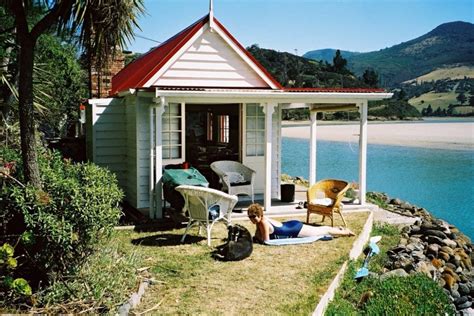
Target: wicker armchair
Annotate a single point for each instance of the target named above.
(324, 198)
(206, 207)
(235, 177)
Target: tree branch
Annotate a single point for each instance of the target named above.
(60, 10)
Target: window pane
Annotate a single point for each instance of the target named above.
(175, 138)
(175, 124)
(251, 109)
(165, 121)
(259, 110)
(261, 122)
(175, 109)
(166, 152)
(251, 138)
(260, 150)
(175, 152)
(251, 123)
(260, 137)
(166, 138)
(250, 150)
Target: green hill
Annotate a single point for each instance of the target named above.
(448, 44)
(295, 71)
(327, 54)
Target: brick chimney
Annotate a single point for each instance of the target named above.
(101, 82)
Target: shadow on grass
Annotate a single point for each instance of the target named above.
(158, 226)
(163, 240)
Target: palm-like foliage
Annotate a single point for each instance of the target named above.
(102, 25)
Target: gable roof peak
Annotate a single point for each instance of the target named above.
(139, 72)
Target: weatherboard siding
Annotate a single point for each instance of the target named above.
(143, 152)
(108, 143)
(210, 62)
(131, 185)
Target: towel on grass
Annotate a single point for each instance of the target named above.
(296, 241)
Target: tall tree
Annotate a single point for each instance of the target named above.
(103, 25)
(339, 62)
(370, 77)
(461, 98)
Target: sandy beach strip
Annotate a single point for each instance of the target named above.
(449, 135)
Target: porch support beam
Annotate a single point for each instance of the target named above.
(363, 152)
(156, 158)
(268, 109)
(312, 149)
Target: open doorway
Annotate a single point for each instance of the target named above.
(212, 134)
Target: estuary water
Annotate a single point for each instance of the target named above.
(442, 181)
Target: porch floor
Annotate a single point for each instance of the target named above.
(280, 208)
(287, 209)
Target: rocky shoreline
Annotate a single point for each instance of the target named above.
(435, 248)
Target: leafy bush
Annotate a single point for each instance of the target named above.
(62, 223)
(12, 289)
(392, 107)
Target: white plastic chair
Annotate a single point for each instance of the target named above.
(199, 200)
(235, 177)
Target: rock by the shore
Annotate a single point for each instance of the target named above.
(435, 248)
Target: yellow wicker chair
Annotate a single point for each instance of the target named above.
(324, 198)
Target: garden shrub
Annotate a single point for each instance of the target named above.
(11, 289)
(62, 223)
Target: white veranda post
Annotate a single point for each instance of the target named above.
(268, 109)
(312, 149)
(156, 157)
(363, 152)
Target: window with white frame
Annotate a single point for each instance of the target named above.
(255, 135)
(223, 128)
(172, 131)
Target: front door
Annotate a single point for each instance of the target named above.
(212, 134)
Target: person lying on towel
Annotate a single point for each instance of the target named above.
(267, 229)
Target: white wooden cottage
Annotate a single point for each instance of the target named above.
(198, 95)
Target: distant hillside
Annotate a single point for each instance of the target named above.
(450, 73)
(327, 54)
(448, 44)
(291, 70)
(295, 71)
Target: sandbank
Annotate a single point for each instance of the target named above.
(446, 135)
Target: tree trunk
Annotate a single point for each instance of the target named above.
(27, 122)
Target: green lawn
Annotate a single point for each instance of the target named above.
(276, 280)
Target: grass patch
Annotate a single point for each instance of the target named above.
(105, 281)
(286, 279)
(450, 73)
(374, 198)
(393, 296)
(436, 99)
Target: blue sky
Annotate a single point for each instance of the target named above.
(304, 25)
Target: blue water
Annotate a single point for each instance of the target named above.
(442, 181)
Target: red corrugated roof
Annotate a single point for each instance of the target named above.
(137, 73)
(346, 90)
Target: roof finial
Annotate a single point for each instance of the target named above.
(211, 14)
